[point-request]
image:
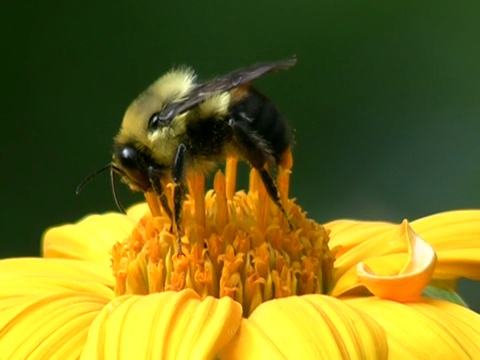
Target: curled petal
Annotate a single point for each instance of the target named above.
(307, 327)
(430, 329)
(409, 282)
(90, 239)
(48, 305)
(168, 325)
(357, 241)
(349, 284)
(455, 236)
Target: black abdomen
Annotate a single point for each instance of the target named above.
(258, 114)
(207, 137)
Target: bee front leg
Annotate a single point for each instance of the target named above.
(178, 177)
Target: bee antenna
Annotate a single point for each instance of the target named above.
(90, 177)
(113, 179)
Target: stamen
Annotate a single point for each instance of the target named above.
(287, 160)
(179, 274)
(263, 202)
(168, 187)
(283, 178)
(153, 203)
(231, 176)
(253, 182)
(156, 276)
(236, 244)
(220, 185)
(136, 280)
(196, 187)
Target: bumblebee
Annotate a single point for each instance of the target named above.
(178, 124)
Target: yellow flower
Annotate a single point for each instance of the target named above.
(113, 286)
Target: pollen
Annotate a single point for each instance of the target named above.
(234, 243)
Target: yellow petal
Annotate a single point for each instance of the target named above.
(90, 239)
(453, 264)
(136, 212)
(307, 327)
(409, 283)
(346, 234)
(37, 275)
(451, 230)
(47, 326)
(47, 306)
(455, 236)
(430, 329)
(169, 325)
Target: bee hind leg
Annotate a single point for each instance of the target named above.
(273, 192)
(257, 153)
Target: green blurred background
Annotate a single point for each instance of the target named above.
(385, 100)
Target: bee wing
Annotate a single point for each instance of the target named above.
(225, 83)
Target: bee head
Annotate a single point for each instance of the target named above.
(133, 164)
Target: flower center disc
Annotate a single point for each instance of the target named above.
(235, 244)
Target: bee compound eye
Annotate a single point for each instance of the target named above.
(127, 156)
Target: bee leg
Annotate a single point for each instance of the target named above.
(257, 154)
(154, 178)
(273, 192)
(178, 176)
